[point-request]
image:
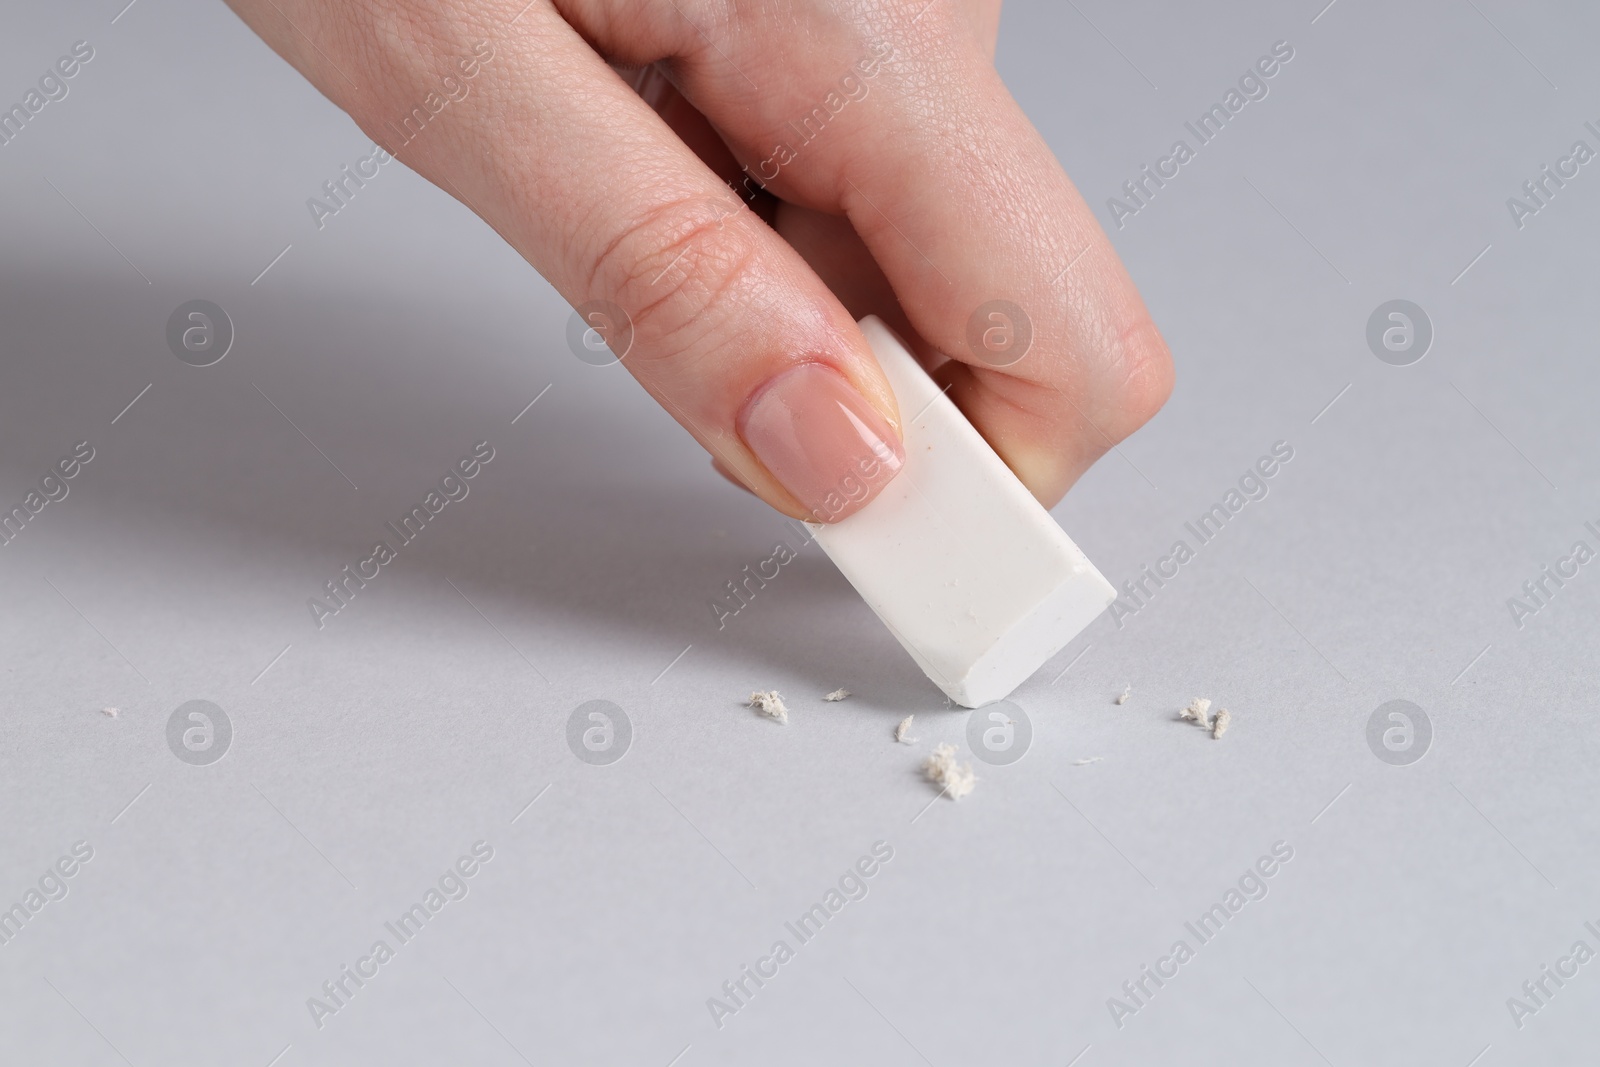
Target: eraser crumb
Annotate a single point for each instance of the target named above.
(1198, 712)
(111, 713)
(1122, 698)
(837, 695)
(770, 704)
(942, 770)
(1220, 725)
(903, 729)
(1086, 762)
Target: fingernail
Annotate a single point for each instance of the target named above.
(821, 439)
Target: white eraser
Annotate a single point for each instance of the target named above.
(957, 558)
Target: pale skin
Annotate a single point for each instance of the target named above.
(601, 139)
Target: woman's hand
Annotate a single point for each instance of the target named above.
(782, 168)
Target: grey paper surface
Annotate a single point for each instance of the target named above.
(366, 757)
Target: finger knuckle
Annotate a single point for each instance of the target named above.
(679, 270)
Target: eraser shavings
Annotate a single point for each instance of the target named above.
(942, 770)
(770, 704)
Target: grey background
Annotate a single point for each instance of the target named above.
(376, 751)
